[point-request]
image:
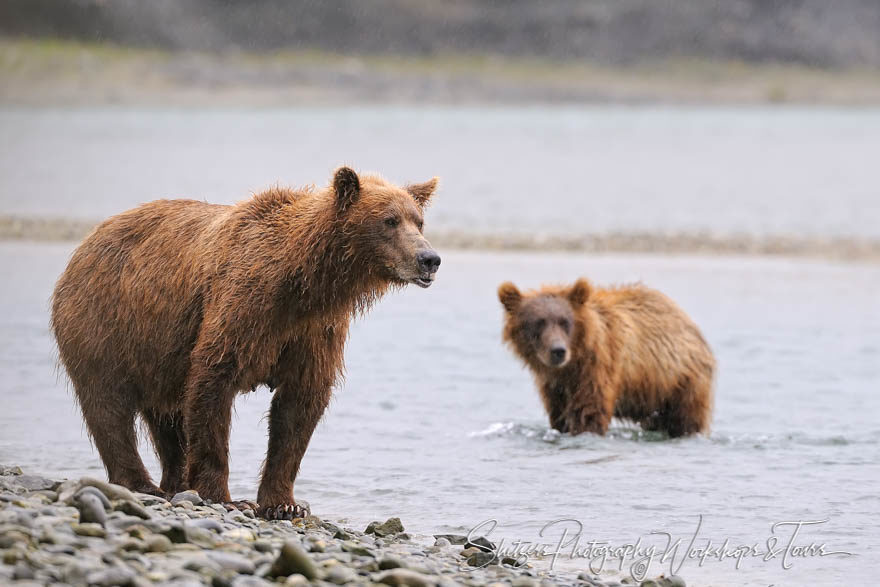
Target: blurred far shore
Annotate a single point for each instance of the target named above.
(279, 53)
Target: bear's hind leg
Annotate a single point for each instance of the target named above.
(110, 418)
(166, 430)
(688, 410)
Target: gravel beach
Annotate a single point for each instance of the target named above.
(90, 532)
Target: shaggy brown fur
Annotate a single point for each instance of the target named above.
(171, 309)
(596, 353)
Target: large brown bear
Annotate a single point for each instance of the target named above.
(628, 352)
(170, 310)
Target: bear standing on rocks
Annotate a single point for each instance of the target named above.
(170, 310)
(628, 352)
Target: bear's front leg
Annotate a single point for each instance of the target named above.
(294, 414)
(554, 397)
(590, 409)
(207, 420)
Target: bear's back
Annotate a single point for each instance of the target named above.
(659, 343)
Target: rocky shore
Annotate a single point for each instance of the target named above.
(90, 532)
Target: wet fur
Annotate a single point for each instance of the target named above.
(170, 310)
(634, 354)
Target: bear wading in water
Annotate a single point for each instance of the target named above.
(629, 352)
(170, 310)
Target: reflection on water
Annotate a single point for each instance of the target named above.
(439, 424)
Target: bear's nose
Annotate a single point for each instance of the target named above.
(557, 354)
(428, 261)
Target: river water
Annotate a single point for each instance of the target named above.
(437, 422)
(551, 170)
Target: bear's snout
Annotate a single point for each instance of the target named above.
(429, 261)
(558, 355)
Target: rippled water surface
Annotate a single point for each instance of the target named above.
(574, 171)
(437, 423)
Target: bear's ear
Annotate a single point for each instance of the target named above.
(579, 292)
(509, 296)
(347, 187)
(422, 192)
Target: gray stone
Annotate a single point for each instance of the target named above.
(356, 548)
(232, 562)
(91, 509)
(133, 508)
(199, 536)
(330, 527)
(49, 495)
(482, 559)
(22, 572)
(296, 581)
(442, 542)
(391, 562)
(111, 576)
(122, 522)
(235, 517)
(482, 543)
(404, 577)
(18, 516)
(523, 582)
(249, 581)
(206, 523)
(293, 559)
(672, 581)
(467, 552)
(201, 564)
(129, 544)
(89, 490)
(111, 490)
(91, 530)
(6, 470)
(59, 549)
(173, 531)
(189, 496)
(150, 500)
(389, 527)
(24, 483)
(158, 543)
(456, 539)
(340, 575)
(76, 571)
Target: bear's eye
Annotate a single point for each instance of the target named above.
(540, 324)
(565, 324)
(392, 222)
(420, 224)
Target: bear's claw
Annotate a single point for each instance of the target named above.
(287, 511)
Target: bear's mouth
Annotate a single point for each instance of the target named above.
(424, 281)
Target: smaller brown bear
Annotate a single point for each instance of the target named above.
(629, 352)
